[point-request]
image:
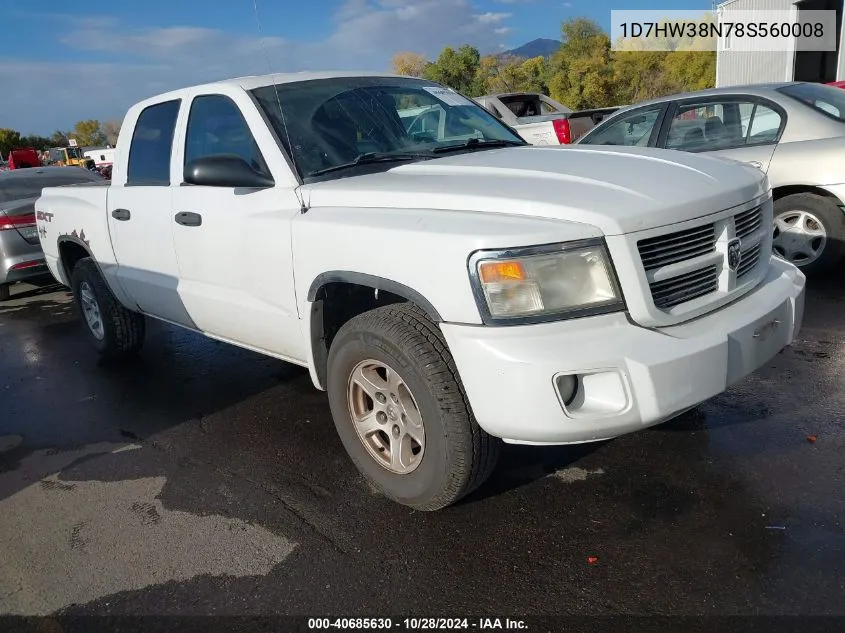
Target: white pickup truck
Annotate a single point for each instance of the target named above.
(446, 294)
(541, 120)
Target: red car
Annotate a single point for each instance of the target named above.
(837, 84)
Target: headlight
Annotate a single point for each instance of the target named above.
(545, 282)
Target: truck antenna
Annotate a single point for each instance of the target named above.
(303, 207)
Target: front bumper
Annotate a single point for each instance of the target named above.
(628, 377)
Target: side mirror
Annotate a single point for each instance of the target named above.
(225, 170)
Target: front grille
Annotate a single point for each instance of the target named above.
(677, 247)
(672, 292)
(748, 222)
(666, 258)
(748, 261)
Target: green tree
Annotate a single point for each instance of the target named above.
(458, 69)
(638, 76)
(409, 64)
(111, 130)
(9, 140)
(38, 142)
(514, 75)
(88, 132)
(646, 68)
(580, 72)
(691, 70)
(59, 138)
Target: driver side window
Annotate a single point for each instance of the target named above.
(631, 129)
(216, 126)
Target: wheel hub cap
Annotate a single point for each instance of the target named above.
(799, 237)
(386, 417)
(91, 311)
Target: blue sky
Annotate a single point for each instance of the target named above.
(62, 62)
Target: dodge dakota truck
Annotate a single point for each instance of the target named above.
(450, 290)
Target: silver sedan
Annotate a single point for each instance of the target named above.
(795, 132)
(21, 257)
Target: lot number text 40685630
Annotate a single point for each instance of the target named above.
(416, 624)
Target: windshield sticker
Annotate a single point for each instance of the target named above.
(447, 96)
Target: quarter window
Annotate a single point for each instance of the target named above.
(152, 143)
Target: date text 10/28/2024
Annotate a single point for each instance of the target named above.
(416, 624)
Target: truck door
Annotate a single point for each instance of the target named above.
(140, 219)
(234, 244)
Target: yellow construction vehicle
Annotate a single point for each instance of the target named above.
(70, 156)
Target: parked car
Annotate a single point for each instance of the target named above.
(21, 257)
(447, 293)
(541, 120)
(795, 132)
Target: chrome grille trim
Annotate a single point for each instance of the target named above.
(667, 294)
(748, 222)
(677, 247)
(748, 261)
(690, 265)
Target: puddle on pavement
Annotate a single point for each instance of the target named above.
(72, 542)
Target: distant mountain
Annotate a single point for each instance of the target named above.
(541, 47)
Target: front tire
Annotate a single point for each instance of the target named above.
(401, 411)
(809, 232)
(114, 330)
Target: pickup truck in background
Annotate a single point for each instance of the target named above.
(449, 289)
(541, 120)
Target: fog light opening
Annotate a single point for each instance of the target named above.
(567, 387)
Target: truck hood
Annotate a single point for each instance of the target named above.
(616, 189)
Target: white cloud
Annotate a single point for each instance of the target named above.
(364, 36)
(567, 4)
(492, 18)
(503, 30)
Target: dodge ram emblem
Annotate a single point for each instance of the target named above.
(734, 253)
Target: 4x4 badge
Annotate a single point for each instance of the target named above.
(734, 253)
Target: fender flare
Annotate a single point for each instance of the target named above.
(63, 239)
(375, 282)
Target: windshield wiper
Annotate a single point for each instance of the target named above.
(473, 143)
(370, 158)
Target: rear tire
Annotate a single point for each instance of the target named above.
(455, 456)
(815, 221)
(114, 330)
(4, 292)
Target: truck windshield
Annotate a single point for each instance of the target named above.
(329, 123)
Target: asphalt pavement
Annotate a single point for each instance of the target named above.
(204, 479)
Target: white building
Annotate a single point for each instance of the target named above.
(749, 66)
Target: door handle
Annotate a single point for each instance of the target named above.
(186, 218)
(755, 163)
(121, 214)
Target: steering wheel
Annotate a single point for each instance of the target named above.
(418, 118)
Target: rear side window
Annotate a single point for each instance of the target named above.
(825, 99)
(152, 143)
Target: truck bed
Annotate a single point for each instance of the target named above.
(74, 213)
